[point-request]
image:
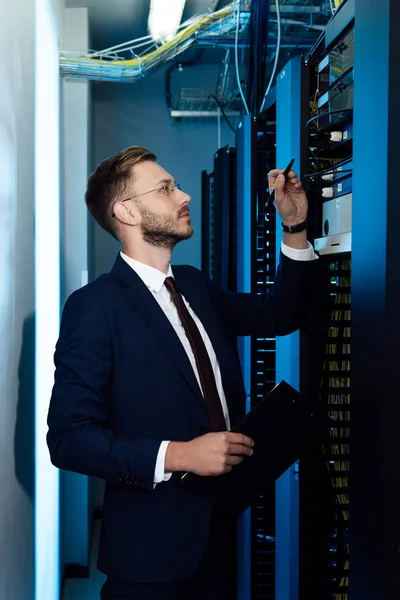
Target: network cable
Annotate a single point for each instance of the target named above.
(328, 114)
(213, 97)
(237, 59)
(278, 46)
(109, 65)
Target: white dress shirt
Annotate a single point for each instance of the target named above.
(154, 280)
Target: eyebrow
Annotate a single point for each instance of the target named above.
(166, 180)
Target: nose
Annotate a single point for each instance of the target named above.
(183, 197)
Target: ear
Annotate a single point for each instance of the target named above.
(129, 215)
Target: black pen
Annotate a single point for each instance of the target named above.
(271, 197)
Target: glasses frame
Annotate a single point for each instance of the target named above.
(164, 187)
(157, 189)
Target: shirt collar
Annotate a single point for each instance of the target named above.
(153, 278)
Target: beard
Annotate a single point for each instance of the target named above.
(163, 231)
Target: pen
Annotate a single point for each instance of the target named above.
(271, 197)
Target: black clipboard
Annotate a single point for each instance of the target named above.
(282, 426)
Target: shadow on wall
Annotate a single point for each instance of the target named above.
(24, 435)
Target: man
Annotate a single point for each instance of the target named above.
(148, 381)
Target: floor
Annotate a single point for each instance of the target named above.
(86, 589)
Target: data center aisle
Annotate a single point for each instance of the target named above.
(86, 589)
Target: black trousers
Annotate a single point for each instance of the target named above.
(213, 579)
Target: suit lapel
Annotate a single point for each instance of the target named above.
(149, 310)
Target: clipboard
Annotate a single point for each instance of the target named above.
(282, 426)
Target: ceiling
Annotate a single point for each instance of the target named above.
(113, 22)
(116, 21)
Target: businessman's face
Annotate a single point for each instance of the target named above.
(163, 207)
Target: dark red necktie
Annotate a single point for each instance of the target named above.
(206, 373)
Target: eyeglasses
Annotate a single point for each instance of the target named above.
(167, 189)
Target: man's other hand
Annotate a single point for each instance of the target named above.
(209, 454)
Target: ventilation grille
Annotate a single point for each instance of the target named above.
(263, 362)
(324, 471)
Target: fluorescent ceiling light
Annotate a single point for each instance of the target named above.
(164, 19)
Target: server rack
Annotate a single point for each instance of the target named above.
(239, 253)
(219, 219)
(263, 352)
(358, 555)
(349, 519)
(375, 483)
(325, 347)
(291, 99)
(256, 263)
(349, 522)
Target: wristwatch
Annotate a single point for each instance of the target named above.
(294, 228)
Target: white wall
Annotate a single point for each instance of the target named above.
(49, 27)
(75, 516)
(17, 294)
(16, 299)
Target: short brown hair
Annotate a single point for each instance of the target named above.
(108, 183)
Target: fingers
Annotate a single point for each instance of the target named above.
(294, 180)
(284, 185)
(299, 185)
(280, 183)
(239, 449)
(233, 461)
(275, 172)
(239, 438)
(291, 177)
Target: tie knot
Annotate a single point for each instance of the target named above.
(171, 285)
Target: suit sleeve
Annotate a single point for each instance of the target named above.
(281, 311)
(78, 437)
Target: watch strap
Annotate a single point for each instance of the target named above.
(294, 228)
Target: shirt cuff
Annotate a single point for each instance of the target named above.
(159, 472)
(296, 254)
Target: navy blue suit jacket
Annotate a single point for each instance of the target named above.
(124, 383)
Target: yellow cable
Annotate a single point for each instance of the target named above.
(153, 55)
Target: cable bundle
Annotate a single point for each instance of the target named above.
(110, 65)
